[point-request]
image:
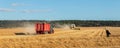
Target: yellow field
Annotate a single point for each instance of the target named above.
(87, 37)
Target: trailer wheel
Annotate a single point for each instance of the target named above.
(45, 32)
(50, 32)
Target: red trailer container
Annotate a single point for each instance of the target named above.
(42, 28)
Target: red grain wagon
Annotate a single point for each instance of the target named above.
(44, 28)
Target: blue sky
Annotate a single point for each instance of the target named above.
(59, 9)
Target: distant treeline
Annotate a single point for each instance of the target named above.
(83, 23)
(88, 23)
(17, 23)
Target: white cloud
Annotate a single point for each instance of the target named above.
(18, 4)
(36, 11)
(6, 10)
(25, 11)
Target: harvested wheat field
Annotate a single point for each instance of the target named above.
(86, 37)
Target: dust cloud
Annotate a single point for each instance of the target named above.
(29, 28)
(64, 26)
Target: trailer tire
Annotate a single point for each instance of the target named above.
(51, 32)
(45, 32)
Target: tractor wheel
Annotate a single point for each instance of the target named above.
(51, 32)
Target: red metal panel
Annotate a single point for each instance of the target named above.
(42, 27)
(46, 27)
(37, 27)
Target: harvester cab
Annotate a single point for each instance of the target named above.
(44, 28)
(73, 26)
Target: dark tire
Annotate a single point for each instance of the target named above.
(51, 32)
(46, 32)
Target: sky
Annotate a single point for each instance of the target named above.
(59, 9)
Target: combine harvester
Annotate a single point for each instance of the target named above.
(73, 26)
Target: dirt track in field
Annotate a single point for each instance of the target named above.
(87, 37)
